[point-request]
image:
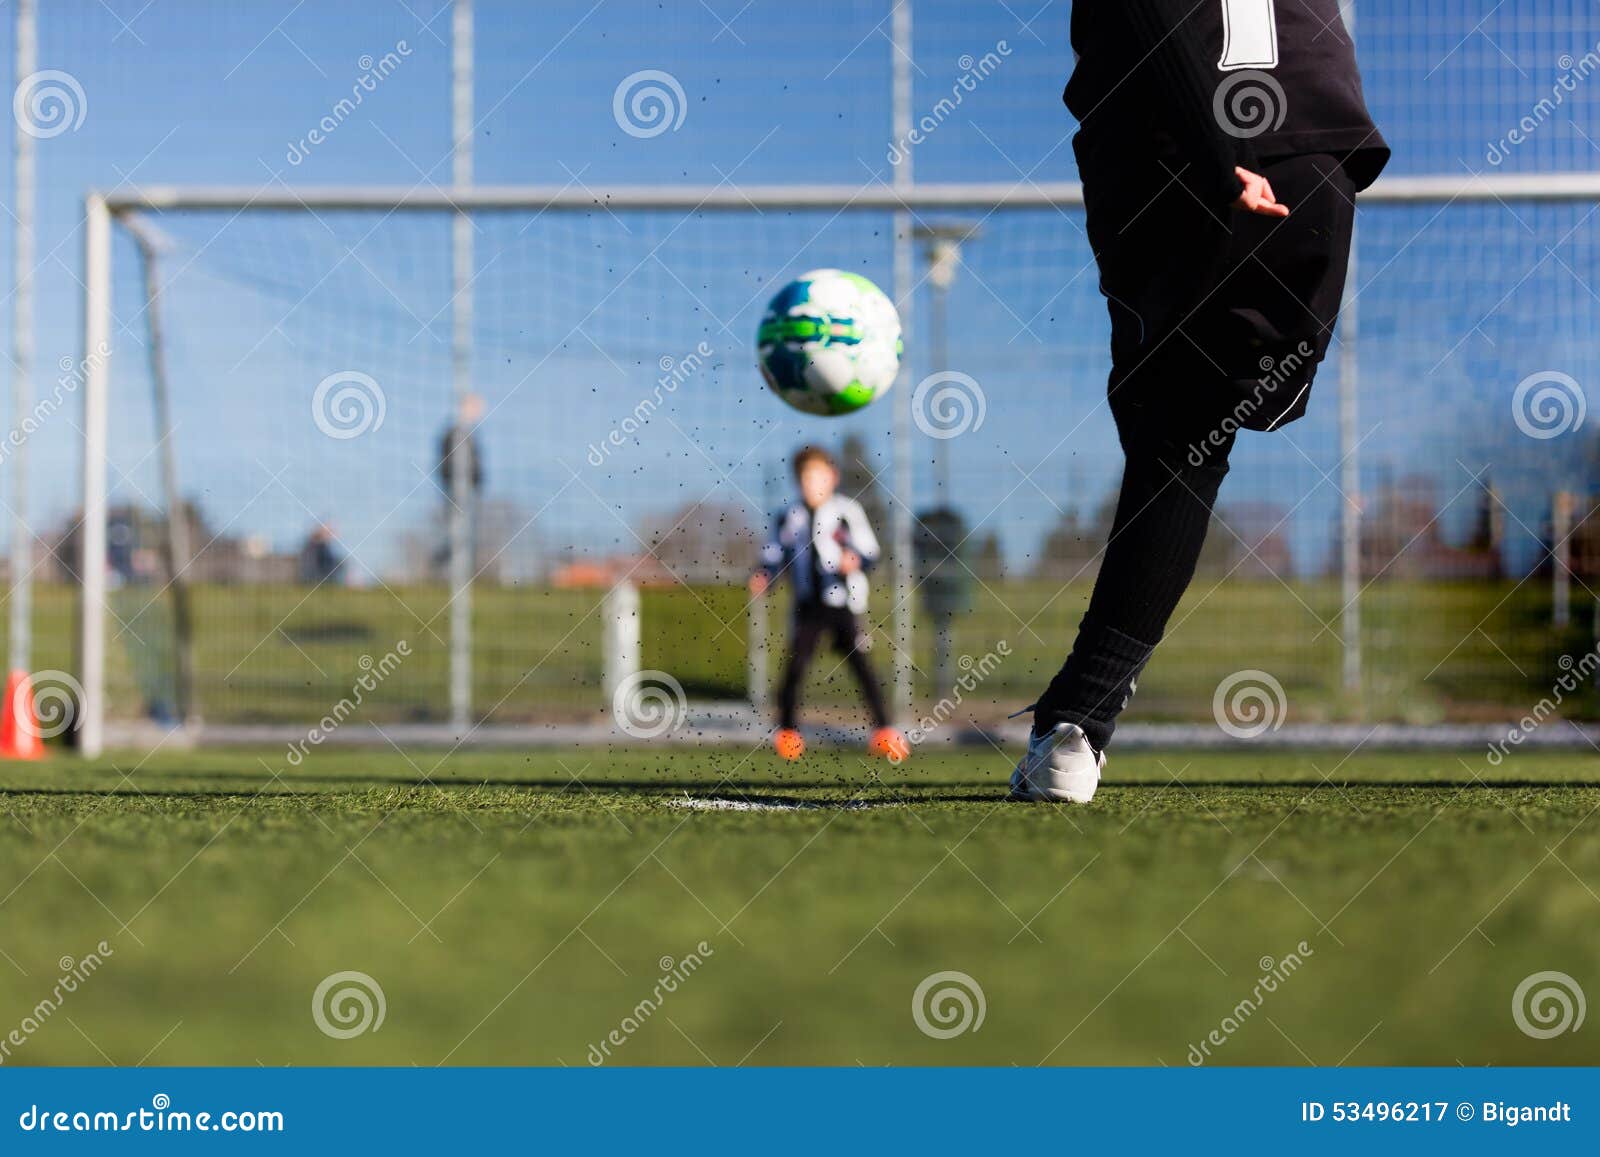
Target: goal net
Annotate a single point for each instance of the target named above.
(277, 506)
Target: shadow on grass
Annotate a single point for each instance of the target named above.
(987, 790)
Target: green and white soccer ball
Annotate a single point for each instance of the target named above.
(830, 342)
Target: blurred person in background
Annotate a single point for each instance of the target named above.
(461, 437)
(321, 561)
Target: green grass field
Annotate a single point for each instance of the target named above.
(519, 908)
(273, 654)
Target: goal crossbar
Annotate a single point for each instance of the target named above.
(1004, 195)
(101, 208)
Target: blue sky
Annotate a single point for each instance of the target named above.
(575, 314)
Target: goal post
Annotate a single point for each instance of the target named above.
(103, 211)
(92, 563)
(1031, 275)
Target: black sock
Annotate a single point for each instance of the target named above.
(1094, 684)
(1163, 511)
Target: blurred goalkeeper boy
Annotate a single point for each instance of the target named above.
(825, 545)
(1221, 145)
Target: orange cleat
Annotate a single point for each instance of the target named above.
(788, 744)
(889, 743)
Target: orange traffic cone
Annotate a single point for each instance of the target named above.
(19, 725)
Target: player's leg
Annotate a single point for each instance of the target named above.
(1163, 512)
(851, 641)
(806, 633)
(1192, 364)
(1160, 251)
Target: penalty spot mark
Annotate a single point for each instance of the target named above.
(719, 804)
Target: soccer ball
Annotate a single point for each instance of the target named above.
(830, 342)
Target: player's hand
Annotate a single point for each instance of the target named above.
(1257, 196)
(849, 561)
(759, 583)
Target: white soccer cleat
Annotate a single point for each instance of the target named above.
(1059, 767)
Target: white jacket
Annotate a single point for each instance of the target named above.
(800, 536)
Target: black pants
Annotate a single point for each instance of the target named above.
(811, 622)
(1218, 317)
(1219, 320)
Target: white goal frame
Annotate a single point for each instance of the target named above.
(905, 199)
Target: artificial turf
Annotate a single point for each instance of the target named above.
(524, 908)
